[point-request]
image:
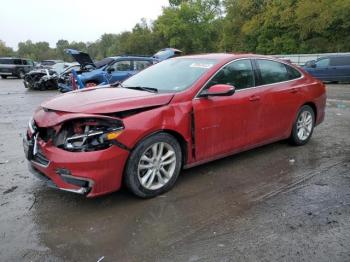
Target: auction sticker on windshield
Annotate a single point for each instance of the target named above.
(201, 65)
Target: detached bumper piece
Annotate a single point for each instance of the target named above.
(85, 185)
(40, 159)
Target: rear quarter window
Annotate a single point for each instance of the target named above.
(293, 73)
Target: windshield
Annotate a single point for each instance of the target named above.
(58, 68)
(171, 75)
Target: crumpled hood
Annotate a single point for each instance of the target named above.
(104, 100)
(41, 71)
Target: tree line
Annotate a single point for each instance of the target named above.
(199, 26)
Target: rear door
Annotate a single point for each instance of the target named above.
(322, 69)
(280, 99)
(223, 124)
(341, 68)
(26, 65)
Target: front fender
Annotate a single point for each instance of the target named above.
(170, 118)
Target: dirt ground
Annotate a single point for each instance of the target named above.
(274, 203)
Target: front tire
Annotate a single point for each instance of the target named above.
(303, 126)
(21, 74)
(3, 77)
(153, 166)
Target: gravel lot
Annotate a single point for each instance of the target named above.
(274, 203)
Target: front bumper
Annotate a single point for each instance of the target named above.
(88, 173)
(49, 183)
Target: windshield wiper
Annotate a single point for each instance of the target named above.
(143, 88)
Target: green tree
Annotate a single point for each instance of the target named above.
(61, 45)
(191, 25)
(5, 50)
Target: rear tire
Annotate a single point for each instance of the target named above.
(303, 126)
(3, 77)
(153, 166)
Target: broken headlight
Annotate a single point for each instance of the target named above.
(88, 134)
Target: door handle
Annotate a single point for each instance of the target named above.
(254, 98)
(294, 90)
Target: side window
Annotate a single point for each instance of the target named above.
(141, 64)
(323, 62)
(340, 61)
(17, 61)
(24, 62)
(293, 73)
(240, 74)
(122, 65)
(272, 72)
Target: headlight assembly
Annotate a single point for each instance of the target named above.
(85, 135)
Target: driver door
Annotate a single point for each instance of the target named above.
(120, 71)
(321, 69)
(222, 123)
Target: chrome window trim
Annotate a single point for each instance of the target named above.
(253, 87)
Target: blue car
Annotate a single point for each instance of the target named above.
(121, 68)
(330, 68)
(117, 69)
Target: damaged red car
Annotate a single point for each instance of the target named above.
(176, 114)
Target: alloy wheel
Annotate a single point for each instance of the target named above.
(304, 125)
(156, 166)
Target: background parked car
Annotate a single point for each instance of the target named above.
(43, 79)
(48, 63)
(330, 68)
(121, 68)
(86, 65)
(166, 53)
(17, 67)
(117, 69)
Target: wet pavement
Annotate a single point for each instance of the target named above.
(274, 203)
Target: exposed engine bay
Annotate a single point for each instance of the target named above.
(82, 135)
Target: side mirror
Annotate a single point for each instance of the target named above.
(219, 90)
(311, 63)
(110, 69)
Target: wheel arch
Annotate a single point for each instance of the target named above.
(178, 137)
(313, 106)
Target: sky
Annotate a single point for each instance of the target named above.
(72, 20)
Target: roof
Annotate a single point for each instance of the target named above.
(227, 56)
(9, 57)
(218, 56)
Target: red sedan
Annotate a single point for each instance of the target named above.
(176, 114)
